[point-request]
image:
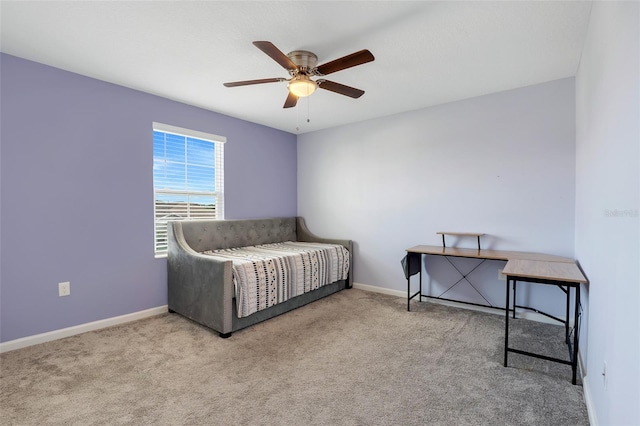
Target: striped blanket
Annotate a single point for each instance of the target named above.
(268, 274)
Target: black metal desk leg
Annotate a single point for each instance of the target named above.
(514, 299)
(566, 322)
(420, 278)
(409, 282)
(576, 332)
(506, 325)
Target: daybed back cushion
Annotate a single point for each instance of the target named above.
(202, 235)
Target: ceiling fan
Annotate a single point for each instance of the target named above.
(301, 66)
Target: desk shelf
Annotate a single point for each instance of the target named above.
(460, 234)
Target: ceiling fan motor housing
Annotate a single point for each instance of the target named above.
(305, 60)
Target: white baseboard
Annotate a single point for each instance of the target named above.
(376, 289)
(533, 316)
(591, 411)
(79, 329)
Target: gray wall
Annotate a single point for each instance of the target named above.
(502, 164)
(77, 193)
(607, 202)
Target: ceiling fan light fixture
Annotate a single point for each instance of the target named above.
(302, 86)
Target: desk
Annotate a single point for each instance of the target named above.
(484, 254)
(521, 266)
(561, 274)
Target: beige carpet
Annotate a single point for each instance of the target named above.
(354, 358)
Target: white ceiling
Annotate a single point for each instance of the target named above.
(427, 53)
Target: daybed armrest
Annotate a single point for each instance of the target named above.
(200, 286)
(304, 234)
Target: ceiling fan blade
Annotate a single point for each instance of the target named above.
(275, 54)
(248, 82)
(352, 92)
(357, 58)
(291, 101)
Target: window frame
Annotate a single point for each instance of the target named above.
(218, 146)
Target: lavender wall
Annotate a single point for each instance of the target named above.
(502, 164)
(77, 193)
(607, 202)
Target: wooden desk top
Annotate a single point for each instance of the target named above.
(556, 271)
(488, 254)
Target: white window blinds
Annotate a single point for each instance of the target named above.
(188, 178)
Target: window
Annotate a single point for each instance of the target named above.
(188, 178)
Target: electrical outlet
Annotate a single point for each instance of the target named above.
(501, 276)
(64, 289)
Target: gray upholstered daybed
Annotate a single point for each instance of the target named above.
(201, 286)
